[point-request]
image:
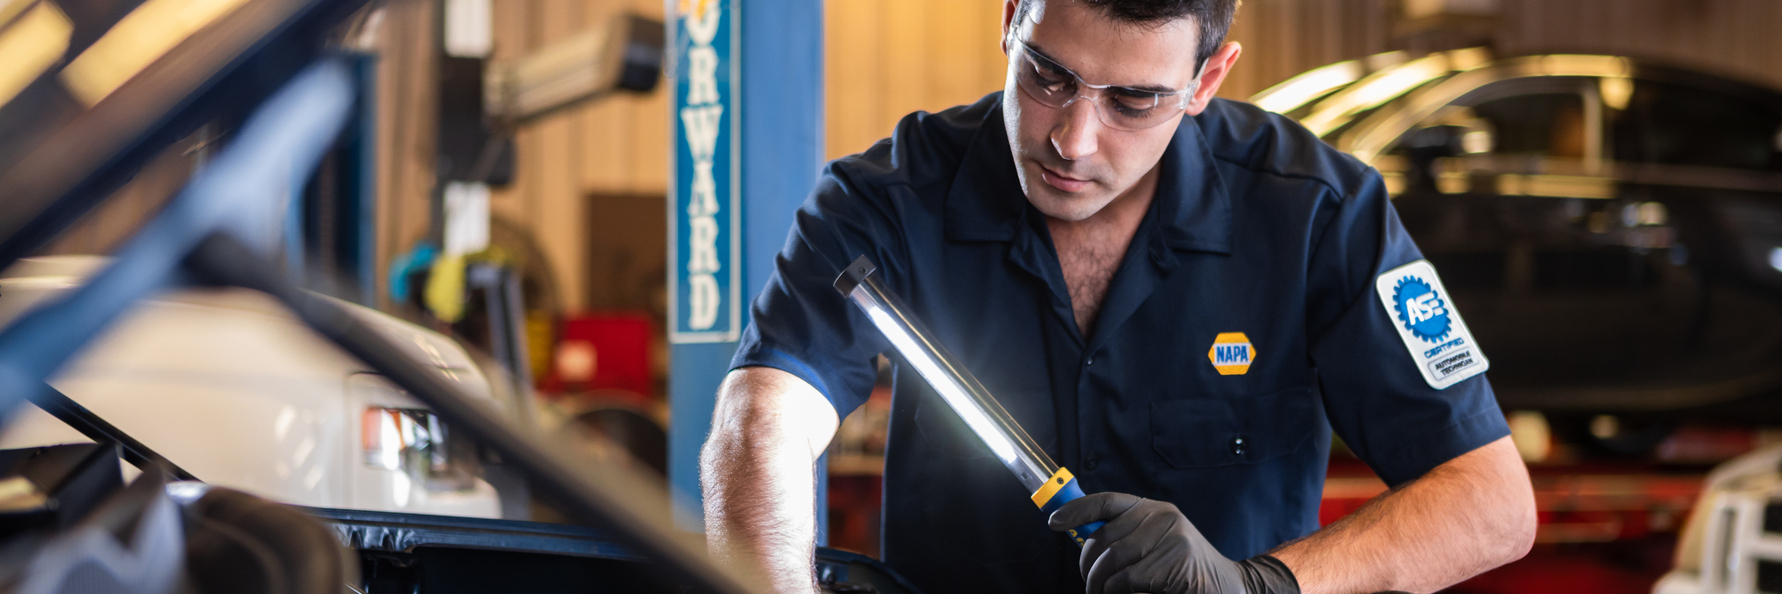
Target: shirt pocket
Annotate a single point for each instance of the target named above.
(1209, 432)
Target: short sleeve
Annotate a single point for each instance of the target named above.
(1375, 396)
(799, 323)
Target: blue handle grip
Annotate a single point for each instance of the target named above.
(1062, 488)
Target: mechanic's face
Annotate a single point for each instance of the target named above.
(1071, 163)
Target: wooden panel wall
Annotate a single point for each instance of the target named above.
(1730, 37)
(407, 97)
(1282, 38)
(568, 163)
(117, 218)
(886, 56)
(573, 164)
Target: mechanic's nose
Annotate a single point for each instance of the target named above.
(1075, 137)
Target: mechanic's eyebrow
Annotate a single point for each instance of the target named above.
(1149, 88)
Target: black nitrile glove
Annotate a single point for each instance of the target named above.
(1150, 547)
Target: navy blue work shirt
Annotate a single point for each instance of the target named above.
(1257, 228)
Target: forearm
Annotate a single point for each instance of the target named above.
(760, 509)
(756, 472)
(1464, 517)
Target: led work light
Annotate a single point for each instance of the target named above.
(1052, 485)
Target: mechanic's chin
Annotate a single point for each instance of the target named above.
(1062, 198)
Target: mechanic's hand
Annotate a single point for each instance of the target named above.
(1149, 546)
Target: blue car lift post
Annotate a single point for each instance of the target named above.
(769, 82)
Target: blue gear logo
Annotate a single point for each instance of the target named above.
(1421, 310)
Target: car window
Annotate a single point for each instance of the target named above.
(1517, 126)
(1543, 124)
(1675, 124)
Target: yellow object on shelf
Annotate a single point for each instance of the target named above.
(445, 289)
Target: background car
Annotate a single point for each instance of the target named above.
(1612, 229)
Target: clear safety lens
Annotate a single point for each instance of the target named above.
(1122, 108)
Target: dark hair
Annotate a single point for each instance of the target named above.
(1213, 17)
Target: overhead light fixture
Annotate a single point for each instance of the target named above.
(30, 45)
(139, 39)
(12, 8)
(1616, 91)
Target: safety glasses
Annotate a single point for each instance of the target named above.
(1121, 108)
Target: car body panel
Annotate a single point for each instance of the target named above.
(236, 390)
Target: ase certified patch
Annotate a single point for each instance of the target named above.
(1437, 339)
(1231, 353)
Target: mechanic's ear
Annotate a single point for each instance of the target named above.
(1212, 74)
(1008, 20)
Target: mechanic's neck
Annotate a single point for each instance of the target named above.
(1090, 250)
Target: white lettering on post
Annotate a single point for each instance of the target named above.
(702, 25)
(703, 240)
(701, 121)
(702, 75)
(702, 300)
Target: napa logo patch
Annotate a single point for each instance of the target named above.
(1433, 333)
(1231, 353)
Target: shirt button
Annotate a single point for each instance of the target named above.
(1237, 446)
(1090, 462)
(1089, 362)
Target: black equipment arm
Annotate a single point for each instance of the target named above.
(68, 411)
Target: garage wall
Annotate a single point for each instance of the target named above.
(1731, 37)
(890, 57)
(571, 165)
(405, 129)
(578, 166)
(105, 228)
(886, 58)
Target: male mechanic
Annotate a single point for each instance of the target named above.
(1179, 309)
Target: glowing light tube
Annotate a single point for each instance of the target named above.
(956, 386)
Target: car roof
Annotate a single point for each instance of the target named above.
(1363, 105)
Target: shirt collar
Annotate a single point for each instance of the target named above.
(985, 202)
